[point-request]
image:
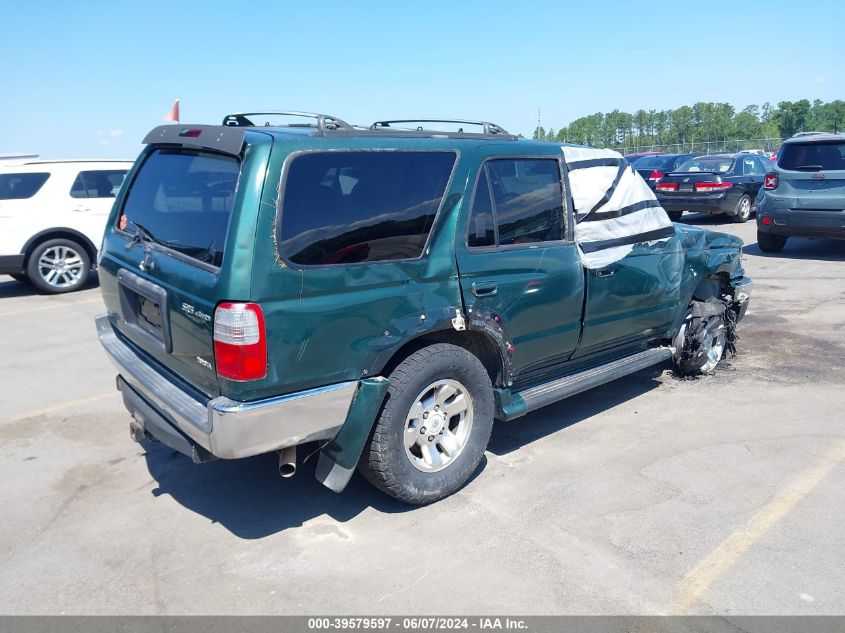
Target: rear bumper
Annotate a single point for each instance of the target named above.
(704, 203)
(221, 427)
(11, 264)
(802, 222)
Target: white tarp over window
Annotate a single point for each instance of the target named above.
(614, 207)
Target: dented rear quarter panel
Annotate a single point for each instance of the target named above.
(327, 324)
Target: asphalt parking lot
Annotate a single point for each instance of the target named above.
(650, 495)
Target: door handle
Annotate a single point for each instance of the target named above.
(605, 272)
(484, 289)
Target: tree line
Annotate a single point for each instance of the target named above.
(702, 122)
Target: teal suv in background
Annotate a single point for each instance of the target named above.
(805, 194)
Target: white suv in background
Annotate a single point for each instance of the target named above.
(52, 218)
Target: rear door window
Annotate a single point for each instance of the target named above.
(482, 227)
(812, 156)
(527, 200)
(21, 186)
(184, 199)
(366, 206)
(97, 184)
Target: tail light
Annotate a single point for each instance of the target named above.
(770, 181)
(666, 186)
(655, 175)
(240, 346)
(713, 186)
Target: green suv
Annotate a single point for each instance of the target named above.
(389, 291)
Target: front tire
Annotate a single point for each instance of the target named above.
(704, 347)
(58, 266)
(769, 243)
(434, 426)
(742, 211)
(675, 216)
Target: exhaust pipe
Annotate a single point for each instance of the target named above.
(287, 461)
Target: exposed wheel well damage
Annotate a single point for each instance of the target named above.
(477, 343)
(712, 303)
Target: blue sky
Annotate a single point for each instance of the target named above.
(89, 79)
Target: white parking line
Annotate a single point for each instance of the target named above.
(698, 581)
(51, 306)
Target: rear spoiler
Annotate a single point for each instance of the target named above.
(229, 140)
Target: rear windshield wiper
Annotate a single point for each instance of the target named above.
(141, 235)
(809, 167)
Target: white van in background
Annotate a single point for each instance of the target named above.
(52, 218)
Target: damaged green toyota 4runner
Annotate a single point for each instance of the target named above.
(389, 291)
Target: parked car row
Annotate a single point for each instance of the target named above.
(798, 191)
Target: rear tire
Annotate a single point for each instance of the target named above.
(58, 266)
(19, 277)
(434, 426)
(769, 243)
(675, 216)
(742, 210)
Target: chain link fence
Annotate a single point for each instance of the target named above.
(705, 147)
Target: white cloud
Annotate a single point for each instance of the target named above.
(115, 133)
(820, 79)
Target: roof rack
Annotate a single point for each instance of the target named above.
(322, 122)
(487, 128)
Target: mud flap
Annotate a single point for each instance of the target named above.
(695, 329)
(339, 456)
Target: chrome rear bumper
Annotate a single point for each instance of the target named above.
(223, 427)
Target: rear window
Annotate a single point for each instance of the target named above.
(812, 156)
(349, 207)
(184, 200)
(651, 162)
(21, 186)
(704, 163)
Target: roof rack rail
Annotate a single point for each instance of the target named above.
(323, 122)
(487, 128)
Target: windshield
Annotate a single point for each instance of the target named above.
(718, 165)
(183, 200)
(812, 156)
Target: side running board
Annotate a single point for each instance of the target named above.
(541, 395)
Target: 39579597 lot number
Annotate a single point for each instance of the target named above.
(403, 624)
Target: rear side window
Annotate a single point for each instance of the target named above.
(525, 198)
(21, 186)
(97, 184)
(349, 207)
(812, 156)
(184, 199)
(750, 167)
